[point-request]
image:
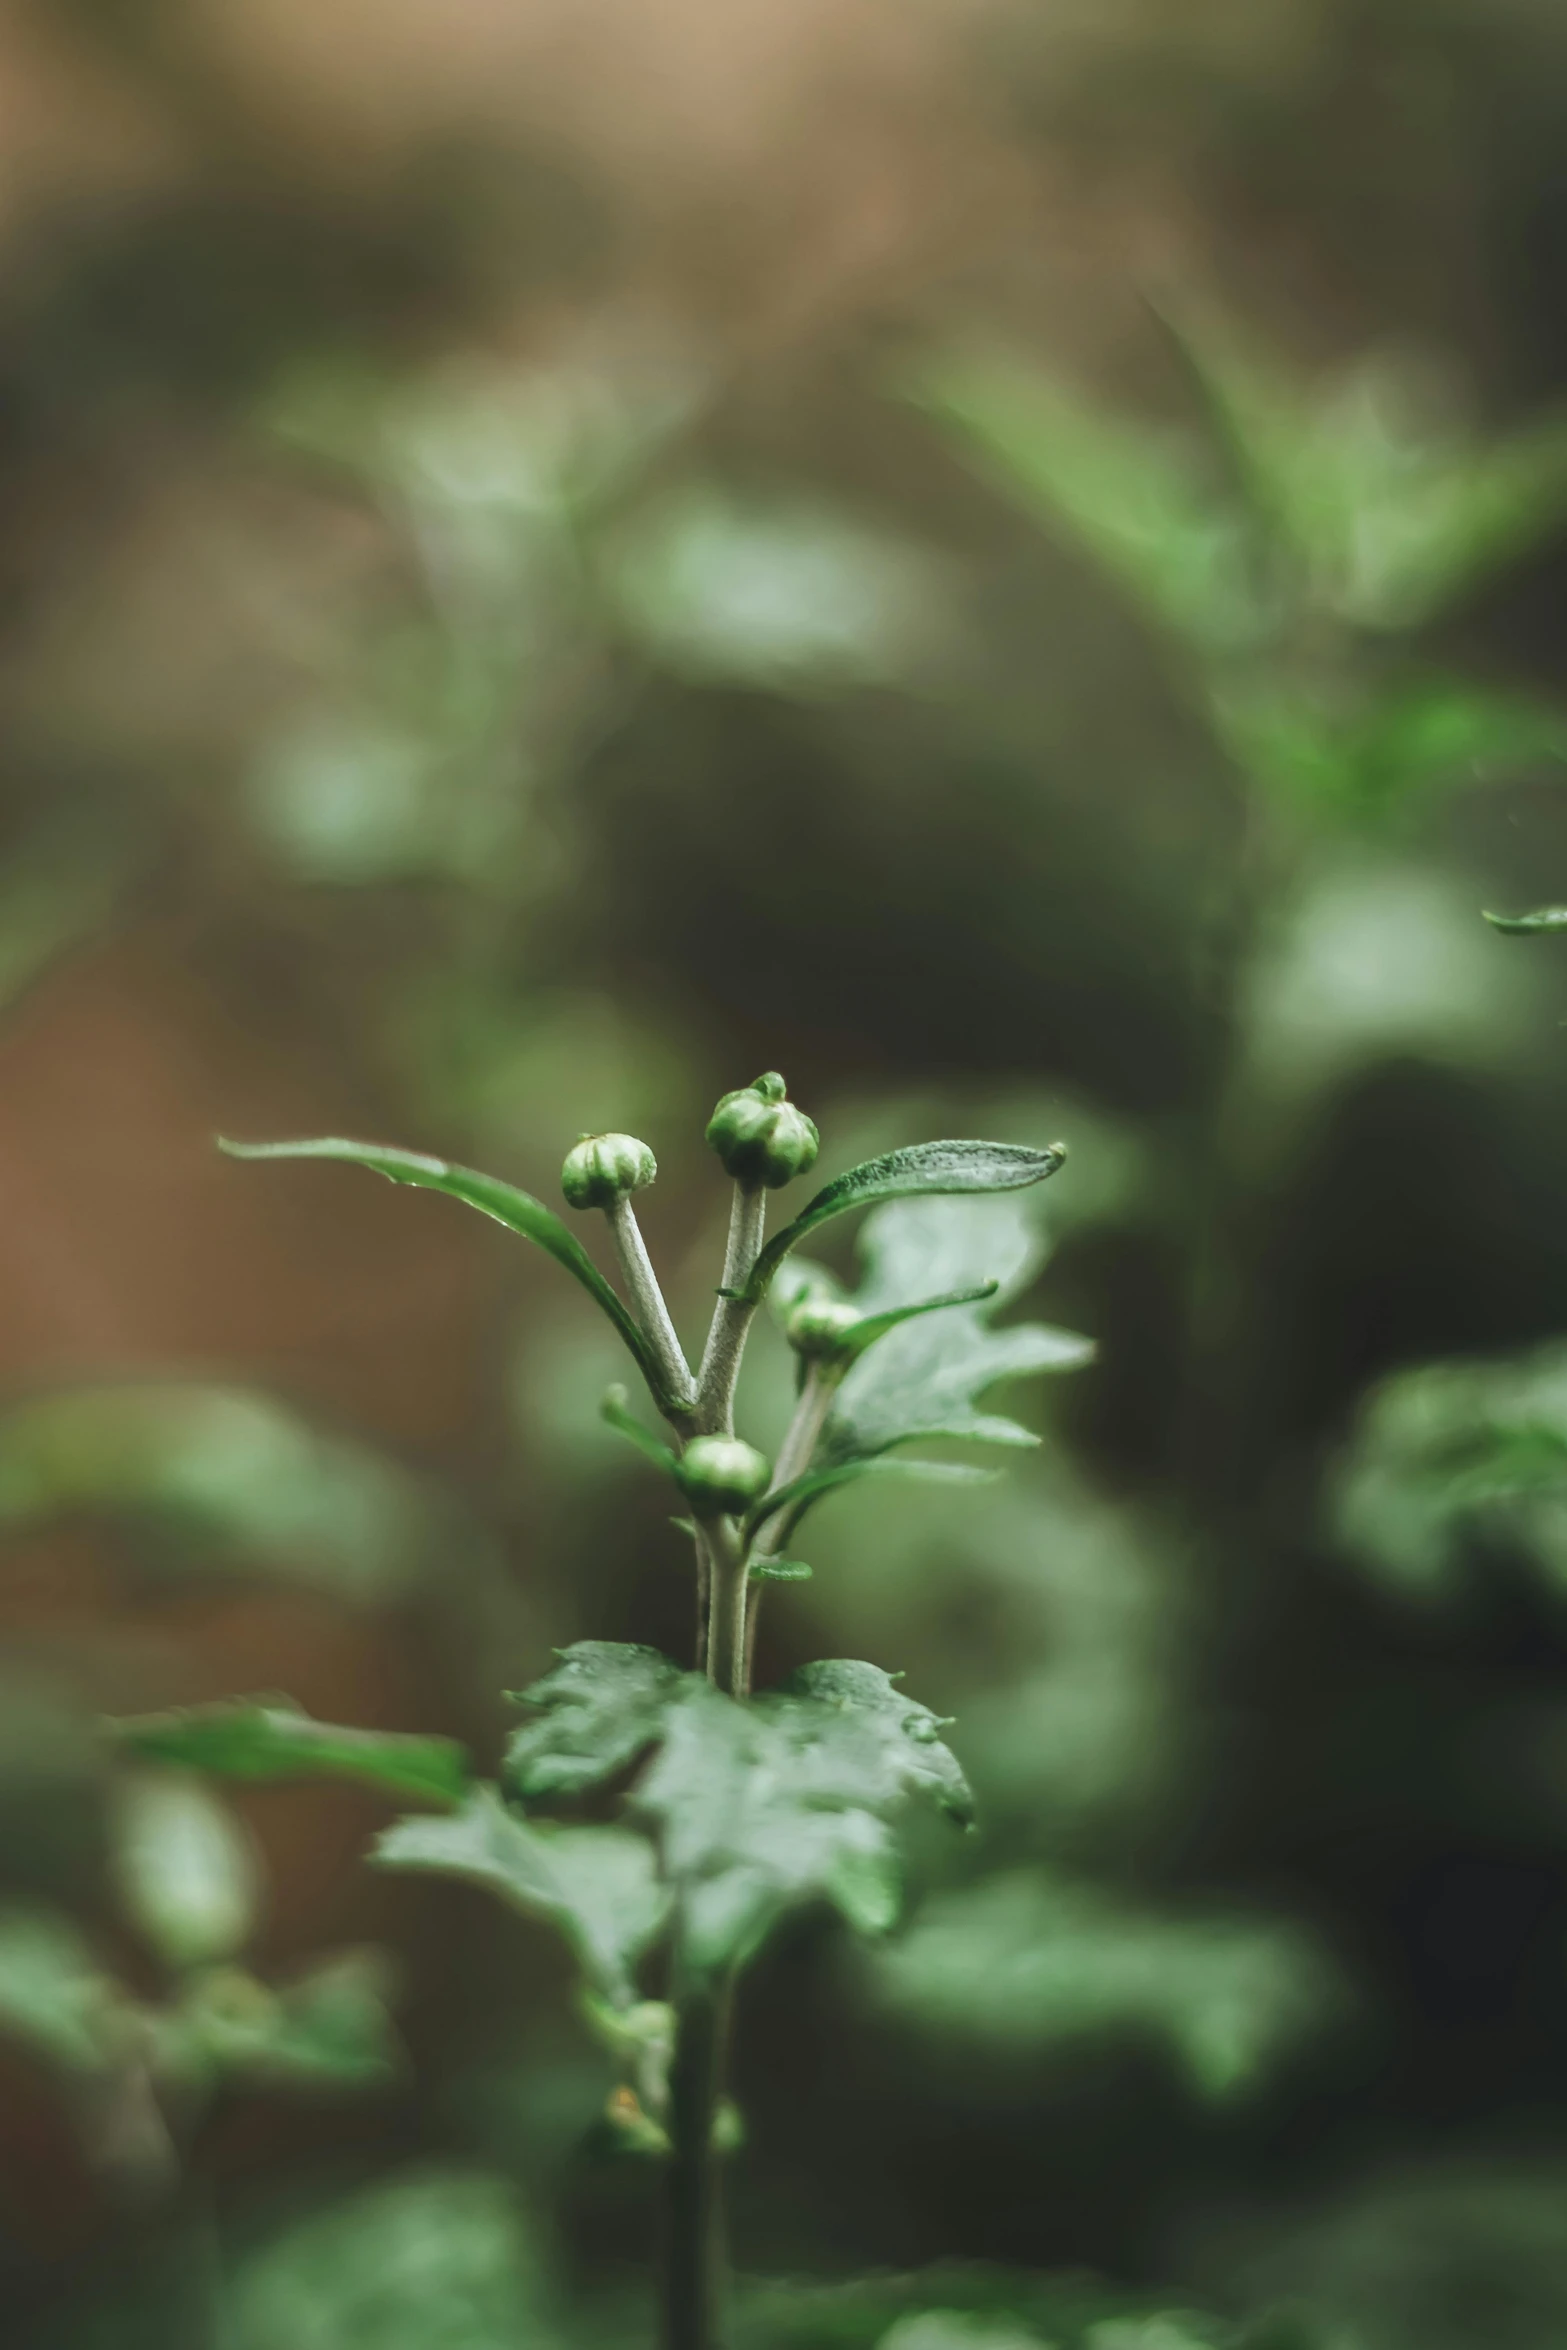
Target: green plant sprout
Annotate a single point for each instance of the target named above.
(739, 1807)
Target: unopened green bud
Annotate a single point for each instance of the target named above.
(759, 1135)
(722, 1475)
(817, 1327)
(604, 1168)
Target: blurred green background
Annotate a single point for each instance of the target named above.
(1008, 559)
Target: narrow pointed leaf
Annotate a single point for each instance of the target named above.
(598, 1886)
(601, 1707)
(267, 1739)
(865, 1334)
(518, 1210)
(790, 1502)
(1543, 918)
(922, 1167)
(615, 1411)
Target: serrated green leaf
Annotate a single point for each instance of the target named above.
(766, 1806)
(922, 1167)
(1543, 918)
(269, 1738)
(601, 1706)
(598, 1886)
(893, 1743)
(518, 1210)
(926, 1377)
(54, 1997)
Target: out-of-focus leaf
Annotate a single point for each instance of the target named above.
(1360, 758)
(1443, 2251)
(1033, 1961)
(1142, 502)
(268, 1738)
(923, 1167)
(1450, 1453)
(225, 1477)
(601, 1707)
(972, 2306)
(54, 1997)
(925, 1378)
(1543, 918)
(789, 1503)
(332, 2025)
(765, 1806)
(439, 2261)
(791, 597)
(597, 1885)
(518, 1210)
(187, 1870)
(957, 2329)
(616, 1414)
(1390, 508)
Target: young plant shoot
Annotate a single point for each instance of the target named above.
(742, 1806)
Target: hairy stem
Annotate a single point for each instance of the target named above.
(732, 1316)
(794, 1458)
(678, 1402)
(693, 2251)
(730, 1568)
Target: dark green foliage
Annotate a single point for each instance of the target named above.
(763, 1807)
(597, 1885)
(268, 1738)
(1450, 1453)
(926, 1376)
(602, 1706)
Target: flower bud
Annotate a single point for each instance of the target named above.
(759, 1135)
(817, 1326)
(722, 1476)
(604, 1168)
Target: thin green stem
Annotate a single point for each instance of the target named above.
(822, 1381)
(730, 1568)
(694, 2264)
(678, 1402)
(733, 1314)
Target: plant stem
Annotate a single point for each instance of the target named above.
(693, 2254)
(729, 1572)
(678, 1403)
(732, 1316)
(794, 1458)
